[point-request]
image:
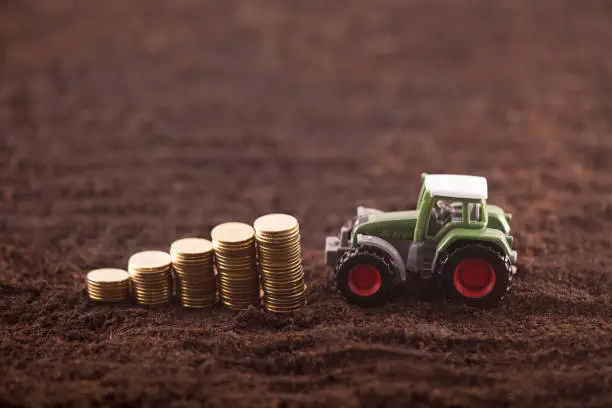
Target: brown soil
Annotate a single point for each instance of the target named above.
(127, 124)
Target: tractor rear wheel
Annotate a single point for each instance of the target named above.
(475, 275)
(364, 276)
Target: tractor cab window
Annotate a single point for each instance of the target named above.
(442, 213)
(475, 210)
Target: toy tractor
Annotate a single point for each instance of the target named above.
(453, 236)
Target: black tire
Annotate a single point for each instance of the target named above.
(488, 293)
(368, 259)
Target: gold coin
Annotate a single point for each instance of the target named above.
(238, 280)
(281, 275)
(275, 307)
(284, 300)
(279, 258)
(107, 291)
(152, 296)
(109, 284)
(275, 223)
(193, 296)
(233, 246)
(237, 270)
(191, 246)
(280, 272)
(204, 292)
(234, 263)
(271, 240)
(199, 271)
(108, 275)
(234, 294)
(153, 301)
(279, 251)
(276, 278)
(195, 277)
(144, 283)
(97, 289)
(201, 260)
(232, 232)
(196, 298)
(199, 279)
(282, 264)
(249, 292)
(282, 310)
(208, 288)
(150, 261)
(298, 284)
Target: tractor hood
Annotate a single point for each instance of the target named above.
(401, 224)
(389, 225)
(498, 219)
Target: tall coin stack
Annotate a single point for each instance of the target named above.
(151, 277)
(279, 256)
(192, 261)
(108, 285)
(235, 260)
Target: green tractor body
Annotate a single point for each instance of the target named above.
(453, 235)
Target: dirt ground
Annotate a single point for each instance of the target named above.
(124, 125)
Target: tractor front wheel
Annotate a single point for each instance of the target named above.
(364, 277)
(475, 275)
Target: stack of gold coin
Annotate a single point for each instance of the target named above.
(279, 256)
(235, 260)
(151, 277)
(108, 285)
(192, 261)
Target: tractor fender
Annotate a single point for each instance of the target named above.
(385, 247)
(488, 236)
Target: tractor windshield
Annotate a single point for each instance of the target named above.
(443, 212)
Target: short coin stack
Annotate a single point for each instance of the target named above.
(151, 277)
(279, 256)
(235, 260)
(192, 261)
(108, 285)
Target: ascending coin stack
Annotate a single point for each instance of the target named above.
(252, 264)
(108, 285)
(235, 261)
(151, 277)
(279, 257)
(192, 261)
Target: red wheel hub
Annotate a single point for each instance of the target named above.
(474, 278)
(364, 280)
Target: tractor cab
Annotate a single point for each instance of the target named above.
(450, 201)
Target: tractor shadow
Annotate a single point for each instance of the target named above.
(414, 288)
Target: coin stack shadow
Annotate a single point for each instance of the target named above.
(235, 261)
(192, 262)
(151, 277)
(279, 258)
(108, 285)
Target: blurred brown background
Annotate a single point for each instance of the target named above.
(126, 124)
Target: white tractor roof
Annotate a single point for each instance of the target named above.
(452, 185)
